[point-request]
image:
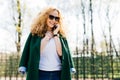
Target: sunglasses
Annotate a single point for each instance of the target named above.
(51, 17)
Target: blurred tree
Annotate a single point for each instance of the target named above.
(18, 27)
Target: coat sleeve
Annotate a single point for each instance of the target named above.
(69, 54)
(72, 69)
(25, 53)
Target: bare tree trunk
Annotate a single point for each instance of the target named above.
(18, 45)
(92, 41)
(16, 9)
(18, 29)
(110, 38)
(84, 38)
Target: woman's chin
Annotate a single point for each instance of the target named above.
(51, 26)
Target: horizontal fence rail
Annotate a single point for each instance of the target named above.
(88, 67)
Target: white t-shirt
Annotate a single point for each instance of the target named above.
(49, 59)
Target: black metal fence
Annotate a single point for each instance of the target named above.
(97, 66)
(88, 67)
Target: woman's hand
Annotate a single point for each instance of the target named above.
(48, 35)
(57, 29)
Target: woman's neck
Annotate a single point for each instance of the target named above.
(49, 29)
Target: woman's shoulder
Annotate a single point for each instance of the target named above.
(33, 37)
(63, 38)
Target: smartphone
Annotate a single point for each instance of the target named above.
(54, 27)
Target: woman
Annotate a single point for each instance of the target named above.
(46, 54)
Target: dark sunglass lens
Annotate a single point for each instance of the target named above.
(51, 17)
(57, 18)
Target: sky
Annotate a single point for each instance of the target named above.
(73, 24)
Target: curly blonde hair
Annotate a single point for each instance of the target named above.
(39, 26)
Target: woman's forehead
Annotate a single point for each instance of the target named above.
(55, 13)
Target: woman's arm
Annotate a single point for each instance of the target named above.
(58, 45)
(25, 56)
(72, 69)
(25, 53)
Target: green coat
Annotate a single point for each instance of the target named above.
(31, 56)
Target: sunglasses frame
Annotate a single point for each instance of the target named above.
(51, 17)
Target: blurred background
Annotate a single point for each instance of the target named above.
(91, 26)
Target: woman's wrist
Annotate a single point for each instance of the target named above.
(55, 35)
(55, 32)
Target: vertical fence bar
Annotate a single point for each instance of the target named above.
(77, 67)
